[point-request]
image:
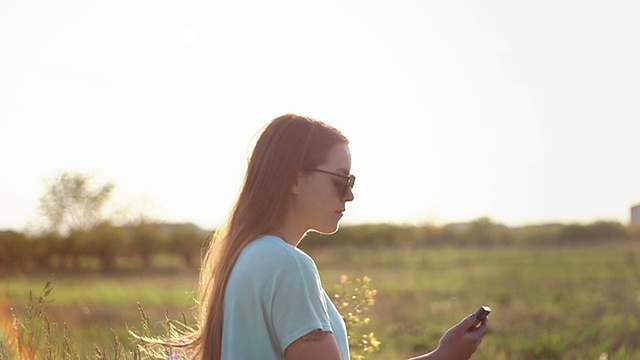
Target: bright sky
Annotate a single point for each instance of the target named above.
(524, 111)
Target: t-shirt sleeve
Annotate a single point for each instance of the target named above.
(298, 304)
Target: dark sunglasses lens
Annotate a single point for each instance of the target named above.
(348, 185)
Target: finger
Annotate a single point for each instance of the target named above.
(468, 323)
(482, 329)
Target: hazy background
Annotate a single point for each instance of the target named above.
(526, 112)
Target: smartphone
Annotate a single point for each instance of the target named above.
(481, 314)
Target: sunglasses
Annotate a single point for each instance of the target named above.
(343, 187)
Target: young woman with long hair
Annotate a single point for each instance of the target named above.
(260, 296)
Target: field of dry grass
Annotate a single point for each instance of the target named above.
(549, 303)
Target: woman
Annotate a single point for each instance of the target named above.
(261, 296)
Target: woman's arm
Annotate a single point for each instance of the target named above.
(316, 345)
(458, 343)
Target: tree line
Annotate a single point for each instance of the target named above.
(482, 232)
(106, 243)
(76, 228)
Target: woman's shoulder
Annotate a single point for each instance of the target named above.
(273, 244)
(272, 249)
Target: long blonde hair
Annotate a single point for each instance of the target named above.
(287, 145)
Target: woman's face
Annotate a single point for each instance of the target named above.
(320, 196)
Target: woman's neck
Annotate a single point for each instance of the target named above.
(289, 234)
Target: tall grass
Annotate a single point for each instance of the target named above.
(33, 335)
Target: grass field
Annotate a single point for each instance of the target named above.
(551, 303)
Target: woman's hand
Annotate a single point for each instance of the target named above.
(460, 341)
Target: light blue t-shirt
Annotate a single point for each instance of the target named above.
(274, 296)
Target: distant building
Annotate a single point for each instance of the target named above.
(635, 215)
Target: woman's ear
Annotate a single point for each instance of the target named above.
(297, 182)
(295, 187)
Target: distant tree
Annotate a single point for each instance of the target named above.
(13, 252)
(73, 247)
(73, 201)
(597, 231)
(186, 240)
(106, 240)
(543, 234)
(608, 230)
(72, 205)
(42, 248)
(480, 232)
(485, 232)
(148, 239)
(454, 233)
